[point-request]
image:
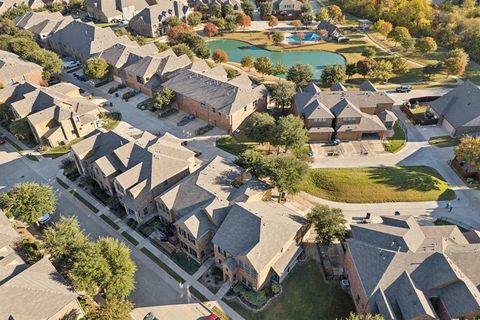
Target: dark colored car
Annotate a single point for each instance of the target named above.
(2, 141)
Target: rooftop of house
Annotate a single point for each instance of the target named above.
(258, 230)
(87, 39)
(202, 199)
(42, 22)
(324, 24)
(314, 103)
(395, 260)
(28, 292)
(190, 311)
(41, 104)
(11, 66)
(141, 165)
(157, 13)
(161, 63)
(120, 55)
(213, 88)
(460, 106)
(366, 85)
(113, 9)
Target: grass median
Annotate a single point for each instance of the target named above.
(378, 184)
(62, 184)
(84, 201)
(129, 238)
(110, 222)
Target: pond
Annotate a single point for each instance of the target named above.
(318, 59)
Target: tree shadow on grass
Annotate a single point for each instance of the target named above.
(404, 179)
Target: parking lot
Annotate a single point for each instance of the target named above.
(348, 149)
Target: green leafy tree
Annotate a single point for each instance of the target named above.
(23, 46)
(368, 52)
(118, 309)
(408, 43)
(54, 7)
(300, 74)
(21, 129)
(248, 7)
(263, 65)
(181, 49)
(173, 21)
(383, 70)
(231, 26)
(399, 65)
(122, 278)
(96, 68)
(64, 240)
(51, 63)
(163, 98)
(333, 74)
(247, 62)
(252, 160)
(17, 11)
(282, 93)
(74, 6)
(203, 9)
(383, 27)
(432, 69)
(426, 44)
(469, 151)
(266, 9)
(291, 132)
(399, 35)
(227, 10)
(280, 68)
(277, 37)
(322, 14)
(329, 223)
(306, 18)
(91, 271)
(350, 69)
(219, 56)
(194, 19)
(456, 61)
(219, 22)
(285, 173)
(29, 201)
(260, 127)
(232, 73)
(217, 10)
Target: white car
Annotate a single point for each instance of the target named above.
(71, 64)
(45, 219)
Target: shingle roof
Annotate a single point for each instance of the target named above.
(214, 89)
(324, 24)
(157, 13)
(161, 64)
(42, 22)
(257, 230)
(338, 87)
(461, 106)
(410, 264)
(366, 85)
(120, 55)
(11, 66)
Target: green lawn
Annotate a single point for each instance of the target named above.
(110, 222)
(231, 145)
(58, 151)
(185, 262)
(130, 238)
(377, 184)
(443, 142)
(111, 119)
(396, 142)
(62, 184)
(305, 296)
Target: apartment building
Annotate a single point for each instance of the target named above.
(56, 115)
(402, 270)
(42, 24)
(208, 94)
(346, 115)
(134, 170)
(15, 70)
(108, 10)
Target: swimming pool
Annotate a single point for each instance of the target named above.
(310, 36)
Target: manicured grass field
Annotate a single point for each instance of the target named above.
(305, 296)
(377, 184)
(443, 142)
(396, 142)
(185, 262)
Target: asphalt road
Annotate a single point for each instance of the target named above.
(153, 285)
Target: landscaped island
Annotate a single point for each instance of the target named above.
(378, 184)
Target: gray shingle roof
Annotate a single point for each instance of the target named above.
(366, 85)
(257, 230)
(338, 87)
(226, 96)
(411, 264)
(11, 66)
(461, 106)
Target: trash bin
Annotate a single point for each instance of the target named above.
(117, 95)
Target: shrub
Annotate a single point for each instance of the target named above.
(69, 169)
(276, 288)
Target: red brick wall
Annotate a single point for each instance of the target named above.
(358, 293)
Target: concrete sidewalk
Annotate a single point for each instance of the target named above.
(190, 281)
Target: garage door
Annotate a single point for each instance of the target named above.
(370, 136)
(348, 135)
(320, 136)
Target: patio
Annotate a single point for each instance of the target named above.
(212, 279)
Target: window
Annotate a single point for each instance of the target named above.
(191, 238)
(320, 121)
(145, 211)
(203, 105)
(240, 263)
(213, 109)
(253, 273)
(349, 120)
(193, 252)
(245, 108)
(202, 253)
(184, 246)
(182, 232)
(162, 206)
(219, 250)
(165, 183)
(255, 103)
(131, 212)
